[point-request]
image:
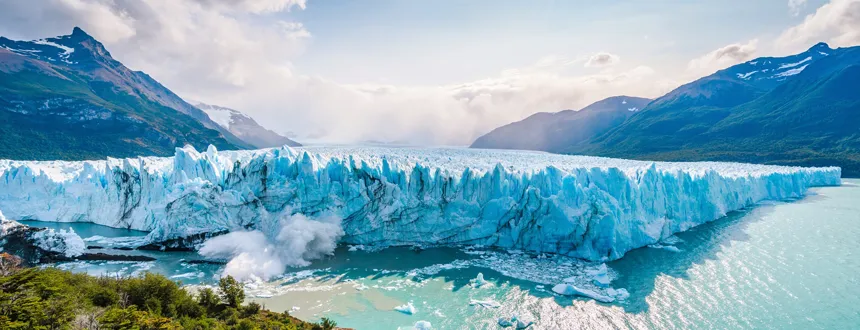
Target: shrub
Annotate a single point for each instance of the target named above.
(231, 291)
(252, 309)
(49, 298)
(186, 306)
(104, 297)
(327, 323)
(121, 318)
(207, 298)
(246, 325)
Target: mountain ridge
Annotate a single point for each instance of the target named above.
(798, 109)
(69, 99)
(552, 131)
(812, 118)
(244, 127)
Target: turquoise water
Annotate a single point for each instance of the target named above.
(85, 229)
(781, 265)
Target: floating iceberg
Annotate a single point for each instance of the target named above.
(488, 303)
(407, 308)
(618, 294)
(669, 248)
(479, 281)
(514, 321)
(585, 207)
(572, 290)
(600, 275)
(423, 325)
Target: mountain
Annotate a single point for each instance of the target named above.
(556, 131)
(798, 110)
(67, 98)
(244, 127)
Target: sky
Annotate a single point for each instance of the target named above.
(429, 72)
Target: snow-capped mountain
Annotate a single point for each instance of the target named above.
(743, 82)
(562, 131)
(49, 49)
(67, 98)
(244, 127)
(802, 109)
(771, 71)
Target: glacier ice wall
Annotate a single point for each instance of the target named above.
(586, 207)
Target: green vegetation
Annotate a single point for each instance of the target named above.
(119, 124)
(810, 120)
(49, 298)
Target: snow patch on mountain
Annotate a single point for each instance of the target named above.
(747, 75)
(770, 71)
(244, 127)
(791, 72)
(220, 115)
(791, 65)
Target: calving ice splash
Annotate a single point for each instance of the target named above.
(297, 204)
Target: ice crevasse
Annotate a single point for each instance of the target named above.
(586, 207)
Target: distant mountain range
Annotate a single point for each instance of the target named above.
(244, 127)
(802, 109)
(67, 98)
(558, 131)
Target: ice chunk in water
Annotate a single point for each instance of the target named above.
(407, 308)
(479, 281)
(488, 303)
(423, 325)
(571, 290)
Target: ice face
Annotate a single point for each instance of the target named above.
(586, 207)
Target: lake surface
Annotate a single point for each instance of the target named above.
(780, 265)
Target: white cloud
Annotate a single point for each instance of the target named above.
(795, 6)
(255, 6)
(837, 23)
(237, 54)
(602, 59)
(722, 58)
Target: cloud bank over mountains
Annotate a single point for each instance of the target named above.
(241, 54)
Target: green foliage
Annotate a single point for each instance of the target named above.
(231, 291)
(104, 297)
(53, 299)
(251, 309)
(327, 323)
(208, 299)
(125, 125)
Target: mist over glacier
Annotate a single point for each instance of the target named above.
(585, 207)
(295, 241)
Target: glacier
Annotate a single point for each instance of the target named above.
(586, 207)
(63, 242)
